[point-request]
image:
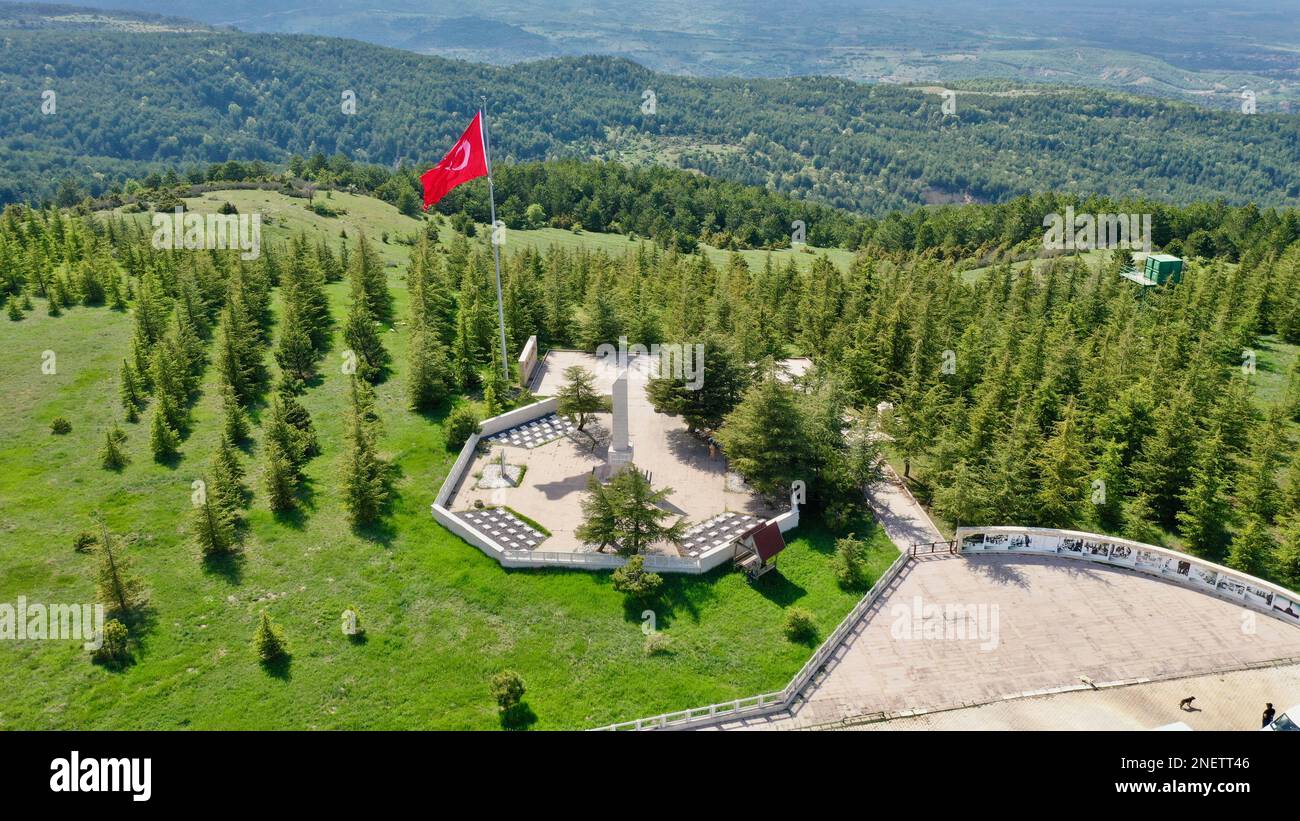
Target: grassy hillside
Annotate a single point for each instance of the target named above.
(440, 617)
(285, 216)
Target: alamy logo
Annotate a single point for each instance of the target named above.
(1087, 232)
(77, 774)
(213, 232)
(36, 622)
(951, 622)
(685, 362)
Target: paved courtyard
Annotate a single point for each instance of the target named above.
(1224, 701)
(555, 479)
(1059, 623)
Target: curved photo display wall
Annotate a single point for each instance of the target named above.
(1156, 561)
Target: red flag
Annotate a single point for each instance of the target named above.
(466, 161)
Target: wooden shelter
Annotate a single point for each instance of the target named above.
(757, 548)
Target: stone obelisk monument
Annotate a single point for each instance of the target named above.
(620, 447)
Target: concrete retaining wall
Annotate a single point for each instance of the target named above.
(1180, 568)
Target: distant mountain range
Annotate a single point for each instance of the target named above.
(1196, 50)
(133, 94)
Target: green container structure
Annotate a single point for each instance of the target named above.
(1162, 268)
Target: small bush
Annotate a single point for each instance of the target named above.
(268, 640)
(800, 625)
(84, 541)
(227, 208)
(633, 579)
(851, 563)
(461, 424)
(114, 650)
(658, 644)
(507, 689)
(60, 426)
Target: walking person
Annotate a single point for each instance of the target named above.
(1269, 712)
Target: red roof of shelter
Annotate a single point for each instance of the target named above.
(767, 539)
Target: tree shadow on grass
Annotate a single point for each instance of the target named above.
(519, 717)
(776, 588)
(382, 532)
(437, 415)
(279, 667)
(295, 517)
(229, 566)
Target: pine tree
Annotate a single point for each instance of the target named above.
(14, 309)
(1258, 489)
(366, 273)
(1252, 548)
(212, 528)
(578, 398)
(295, 355)
(365, 482)
(765, 438)
(280, 479)
(429, 382)
(1287, 564)
(1202, 522)
(111, 456)
(227, 486)
(1164, 466)
(268, 640)
(130, 390)
(234, 423)
(116, 585)
(963, 498)
(464, 354)
(162, 439)
(1063, 470)
(362, 338)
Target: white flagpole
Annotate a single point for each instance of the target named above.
(496, 252)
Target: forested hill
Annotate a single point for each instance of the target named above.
(129, 102)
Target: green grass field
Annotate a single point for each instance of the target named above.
(290, 215)
(440, 617)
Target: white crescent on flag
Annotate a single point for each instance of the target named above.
(461, 156)
(467, 160)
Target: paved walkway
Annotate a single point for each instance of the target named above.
(952, 631)
(1224, 701)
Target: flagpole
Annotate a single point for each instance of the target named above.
(496, 251)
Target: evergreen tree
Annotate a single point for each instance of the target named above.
(131, 392)
(116, 585)
(111, 456)
(162, 439)
(1287, 565)
(365, 488)
(1203, 521)
(1252, 548)
(268, 640)
(1063, 470)
(280, 479)
(295, 354)
(464, 354)
(430, 380)
(765, 438)
(578, 398)
(234, 423)
(705, 396)
(212, 528)
(362, 338)
(227, 479)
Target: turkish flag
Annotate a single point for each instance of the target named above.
(466, 161)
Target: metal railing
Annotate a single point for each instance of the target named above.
(922, 549)
(768, 703)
